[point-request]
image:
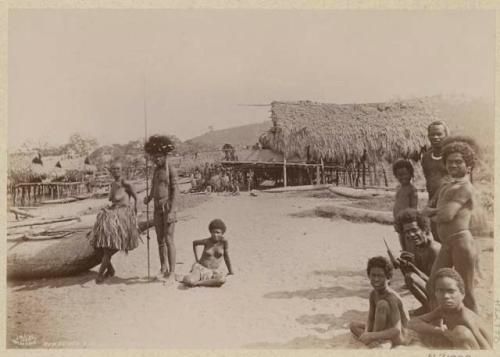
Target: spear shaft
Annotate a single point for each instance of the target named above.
(147, 170)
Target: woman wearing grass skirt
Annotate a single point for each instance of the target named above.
(116, 225)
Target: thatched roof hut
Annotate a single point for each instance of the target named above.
(342, 132)
(24, 167)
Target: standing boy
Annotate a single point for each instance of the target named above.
(164, 194)
(406, 196)
(433, 164)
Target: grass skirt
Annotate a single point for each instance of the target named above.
(115, 228)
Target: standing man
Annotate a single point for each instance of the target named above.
(164, 195)
(433, 165)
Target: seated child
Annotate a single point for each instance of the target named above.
(206, 271)
(461, 327)
(416, 267)
(406, 196)
(387, 318)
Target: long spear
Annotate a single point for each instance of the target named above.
(147, 170)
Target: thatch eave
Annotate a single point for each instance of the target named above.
(343, 132)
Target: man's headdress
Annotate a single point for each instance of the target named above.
(159, 145)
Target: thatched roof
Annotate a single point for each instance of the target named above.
(22, 168)
(340, 132)
(67, 164)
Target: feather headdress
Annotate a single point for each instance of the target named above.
(159, 145)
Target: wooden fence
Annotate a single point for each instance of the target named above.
(26, 194)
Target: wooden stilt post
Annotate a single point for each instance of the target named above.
(284, 171)
(322, 171)
(364, 172)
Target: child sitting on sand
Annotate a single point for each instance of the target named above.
(461, 327)
(406, 196)
(116, 225)
(387, 318)
(206, 271)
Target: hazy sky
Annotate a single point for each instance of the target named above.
(83, 70)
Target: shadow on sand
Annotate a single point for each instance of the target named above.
(340, 273)
(333, 322)
(344, 340)
(341, 339)
(304, 214)
(320, 293)
(26, 285)
(81, 279)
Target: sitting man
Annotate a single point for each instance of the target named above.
(451, 320)
(416, 267)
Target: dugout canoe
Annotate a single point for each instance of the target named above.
(62, 251)
(83, 196)
(59, 201)
(53, 254)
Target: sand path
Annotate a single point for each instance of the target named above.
(299, 279)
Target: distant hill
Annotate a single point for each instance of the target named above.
(238, 136)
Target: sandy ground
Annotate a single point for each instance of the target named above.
(299, 279)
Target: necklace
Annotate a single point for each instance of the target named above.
(436, 157)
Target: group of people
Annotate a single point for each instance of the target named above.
(439, 259)
(116, 225)
(216, 178)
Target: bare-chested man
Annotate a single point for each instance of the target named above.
(164, 195)
(416, 266)
(461, 327)
(453, 215)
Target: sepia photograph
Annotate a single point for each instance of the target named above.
(250, 179)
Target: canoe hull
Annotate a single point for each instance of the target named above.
(33, 259)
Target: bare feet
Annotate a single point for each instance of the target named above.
(100, 279)
(110, 272)
(168, 279)
(385, 345)
(162, 274)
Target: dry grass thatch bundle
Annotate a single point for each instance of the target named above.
(21, 168)
(341, 132)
